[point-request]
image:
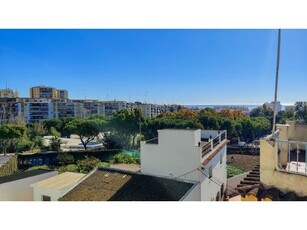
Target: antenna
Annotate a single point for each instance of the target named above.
(276, 82)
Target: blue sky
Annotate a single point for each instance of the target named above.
(159, 66)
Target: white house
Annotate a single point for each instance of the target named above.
(16, 187)
(191, 155)
(53, 188)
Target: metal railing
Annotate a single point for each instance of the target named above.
(206, 149)
(212, 143)
(296, 159)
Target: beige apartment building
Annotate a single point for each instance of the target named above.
(43, 92)
(8, 93)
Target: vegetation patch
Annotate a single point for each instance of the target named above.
(233, 171)
(9, 167)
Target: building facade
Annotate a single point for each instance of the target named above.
(283, 159)
(8, 93)
(16, 187)
(36, 110)
(43, 92)
(61, 94)
(188, 154)
(11, 110)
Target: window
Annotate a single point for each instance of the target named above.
(210, 171)
(46, 198)
(221, 159)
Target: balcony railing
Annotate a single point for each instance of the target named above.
(296, 159)
(212, 143)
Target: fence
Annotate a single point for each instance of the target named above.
(212, 143)
(49, 158)
(296, 159)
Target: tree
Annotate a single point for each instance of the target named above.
(112, 141)
(9, 132)
(54, 132)
(153, 125)
(262, 111)
(127, 122)
(64, 159)
(88, 164)
(52, 123)
(37, 142)
(36, 129)
(87, 130)
(55, 144)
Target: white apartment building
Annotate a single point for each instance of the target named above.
(114, 106)
(189, 154)
(68, 109)
(91, 107)
(36, 110)
(149, 110)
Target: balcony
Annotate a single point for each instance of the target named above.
(292, 156)
(215, 138)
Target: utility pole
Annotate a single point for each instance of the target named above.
(276, 83)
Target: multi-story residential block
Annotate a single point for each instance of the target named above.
(61, 94)
(43, 92)
(11, 109)
(68, 109)
(8, 93)
(114, 106)
(92, 107)
(36, 110)
(149, 110)
(191, 155)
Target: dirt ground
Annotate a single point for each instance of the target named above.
(246, 162)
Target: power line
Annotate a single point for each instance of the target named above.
(186, 173)
(217, 181)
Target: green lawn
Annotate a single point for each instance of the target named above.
(233, 171)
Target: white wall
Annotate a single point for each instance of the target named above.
(210, 188)
(194, 194)
(20, 190)
(54, 194)
(176, 154)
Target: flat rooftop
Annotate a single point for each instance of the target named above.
(60, 181)
(23, 175)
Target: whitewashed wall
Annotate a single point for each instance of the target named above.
(20, 190)
(176, 154)
(210, 188)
